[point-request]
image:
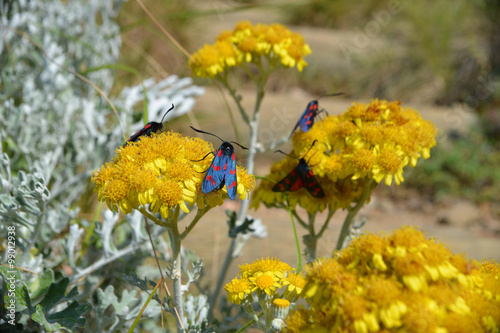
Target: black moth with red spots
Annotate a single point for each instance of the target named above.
(300, 177)
(222, 170)
(150, 128)
(306, 121)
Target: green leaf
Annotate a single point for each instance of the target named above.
(41, 285)
(21, 294)
(66, 319)
(39, 317)
(71, 316)
(57, 294)
(104, 300)
(143, 285)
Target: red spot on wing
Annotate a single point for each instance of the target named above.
(229, 186)
(234, 183)
(225, 167)
(309, 174)
(312, 184)
(213, 182)
(219, 153)
(293, 172)
(147, 126)
(298, 184)
(209, 177)
(232, 172)
(216, 167)
(232, 156)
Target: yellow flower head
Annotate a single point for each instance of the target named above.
(281, 308)
(422, 287)
(271, 279)
(265, 282)
(269, 265)
(249, 43)
(295, 284)
(369, 142)
(238, 290)
(163, 171)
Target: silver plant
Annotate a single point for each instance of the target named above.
(55, 128)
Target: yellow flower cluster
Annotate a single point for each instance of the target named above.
(399, 283)
(247, 43)
(373, 141)
(265, 277)
(162, 171)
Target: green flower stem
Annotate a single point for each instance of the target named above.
(297, 244)
(247, 325)
(301, 221)
(264, 302)
(157, 221)
(136, 321)
(255, 317)
(198, 216)
(346, 227)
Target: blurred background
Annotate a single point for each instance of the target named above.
(439, 57)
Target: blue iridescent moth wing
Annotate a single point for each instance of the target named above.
(222, 171)
(306, 121)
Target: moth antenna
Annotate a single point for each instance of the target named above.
(203, 157)
(312, 154)
(279, 151)
(236, 143)
(310, 147)
(335, 94)
(200, 131)
(167, 112)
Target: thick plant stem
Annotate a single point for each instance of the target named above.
(177, 284)
(176, 272)
(254, 129)
(312, 240)
(346, 227)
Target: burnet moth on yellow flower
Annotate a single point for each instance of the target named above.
(222, 170)
(306, 121)
(299, 177)
(150, 128)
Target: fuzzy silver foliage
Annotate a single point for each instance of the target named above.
(55, 129)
